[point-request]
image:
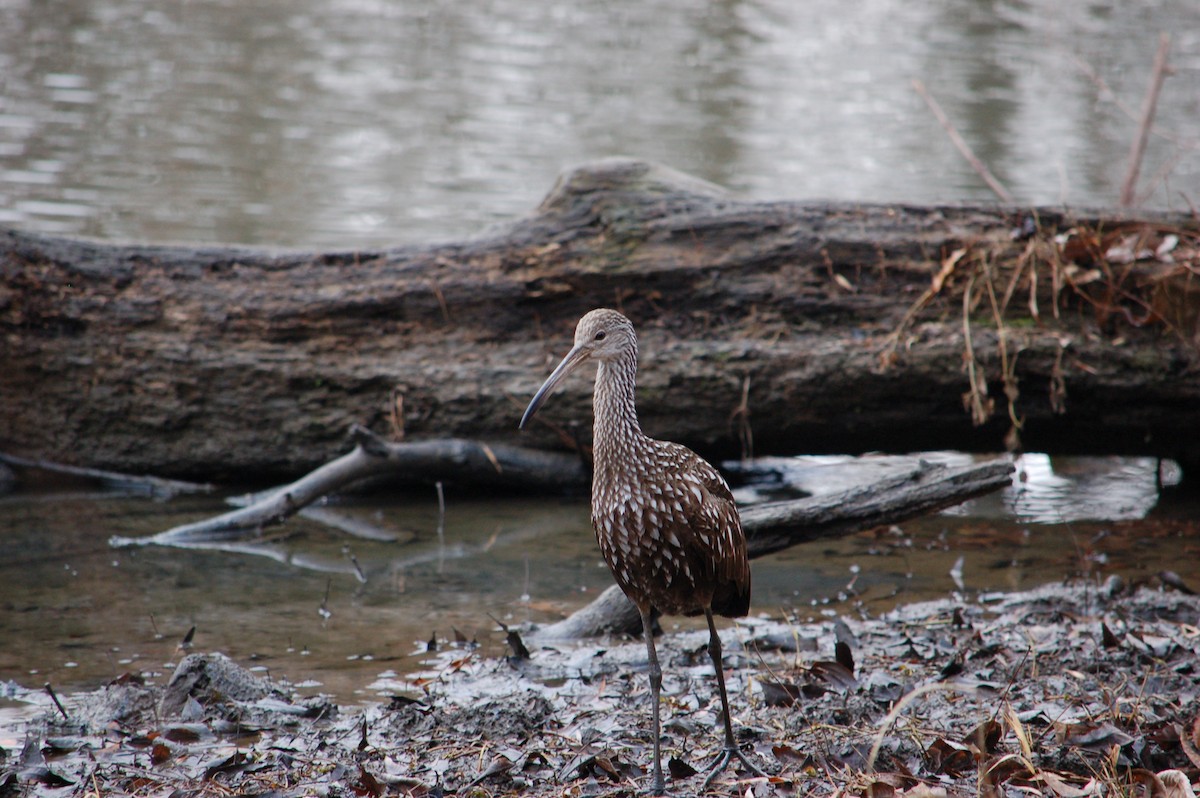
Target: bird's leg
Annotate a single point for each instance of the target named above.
(730, 750)
(659, 786)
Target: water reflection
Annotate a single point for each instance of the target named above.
(1060, 490)
(360, 123)
(334, 611)
(85, 612)
(1046, 490)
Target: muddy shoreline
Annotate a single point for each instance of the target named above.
(1068, 690)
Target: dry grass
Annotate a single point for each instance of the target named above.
(1133, 278)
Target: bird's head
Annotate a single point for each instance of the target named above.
(602, 334)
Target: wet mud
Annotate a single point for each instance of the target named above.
(1067, 690)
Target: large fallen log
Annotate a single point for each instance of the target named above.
(796, 326)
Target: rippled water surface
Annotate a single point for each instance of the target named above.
(353, 123)
(348, 616)
(361, 123)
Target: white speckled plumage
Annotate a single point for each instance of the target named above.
(665, 519)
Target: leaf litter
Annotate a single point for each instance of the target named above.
(1065, 691)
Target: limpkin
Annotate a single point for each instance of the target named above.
(665, 519)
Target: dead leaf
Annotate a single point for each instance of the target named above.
(948, 758)
(159, 753)
(500, 764)
(785, 753)
(1165, 247)
(1004, 768)
(518, 647)
(952, 668)
(1190, 743)
(1172, 579)
(366, 784)
(1100, 737)
(985, 737)
(1019, 731)
(602, 765)
(834, 673)
(1147, 784)
(1176, 784)
(1065, 789)
(234, 763)
(844, 656)
(44, 776)
(780, 694)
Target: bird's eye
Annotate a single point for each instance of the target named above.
(600, 335)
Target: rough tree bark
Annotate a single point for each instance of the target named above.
(775, 318)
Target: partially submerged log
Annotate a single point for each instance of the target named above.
(837, 327)
(769, 527)
(374, 458)
(780, 525)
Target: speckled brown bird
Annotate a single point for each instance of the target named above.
(665, 519)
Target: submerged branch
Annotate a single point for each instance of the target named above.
(157, 487)
(769, 528)
(448, 458)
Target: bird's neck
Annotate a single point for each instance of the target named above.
(616, 435)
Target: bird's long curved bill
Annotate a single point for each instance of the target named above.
(576, 356)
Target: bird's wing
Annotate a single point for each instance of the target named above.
(711, 517)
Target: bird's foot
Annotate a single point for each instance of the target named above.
(728, 754)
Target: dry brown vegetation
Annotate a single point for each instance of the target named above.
(1128, 277)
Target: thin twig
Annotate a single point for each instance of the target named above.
(1138, 148)
(155, 486)
(1102, 85)
(1191, 205)
(1008, 366)
(1161, 175)
(57, 703)
(742, 414)
(980, 168)
(901, 705)
(976, 398)
(887, 355)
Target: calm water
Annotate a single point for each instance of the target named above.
(76, 613)
(354, 123)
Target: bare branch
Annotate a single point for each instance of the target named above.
(448, 458)
(980, 168)
(1138, 147)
